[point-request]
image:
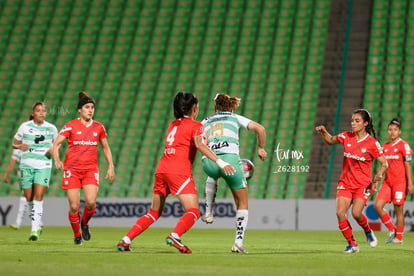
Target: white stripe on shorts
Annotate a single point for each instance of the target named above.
(183, 185)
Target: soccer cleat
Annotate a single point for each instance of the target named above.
(239, 249)
(86, 234)
(34, 236)
(171, 241)
(14, 226)
(351, 249)
(77, 240)
(371, 239)
(208, 219)
(391, 236)
(123, 246)
(396, 241)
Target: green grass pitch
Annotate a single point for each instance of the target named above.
(270, 253)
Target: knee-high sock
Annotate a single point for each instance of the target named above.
(186, 221)
(386, 219)
(37, 215)
(75, 223)
(346, 230)
(21, 212)
(87, 214)
(364, 223)
(400, 232)
(142, 224)
(211, 191)
(242, 216)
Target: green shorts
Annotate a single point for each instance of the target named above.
(30, 176)
(235, 181)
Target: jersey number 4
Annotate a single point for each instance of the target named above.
(170, 136)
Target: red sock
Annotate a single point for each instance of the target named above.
(346, 230)
(400, 232)
(187, 221)
(143, 223)
(386, 219)
(87, 214)
(74, 222)
(364, 224)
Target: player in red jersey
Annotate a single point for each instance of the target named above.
(398, 179)
(174, 174)
(355, 183)
(80, 169)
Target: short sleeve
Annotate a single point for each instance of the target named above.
(65, 131)
(19, 134)
(341, 137)
(243, 121)
(198, 130)
(377, 149)
(102, 134)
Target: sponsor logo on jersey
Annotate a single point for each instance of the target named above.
(356, 157)
(392, 157)
(85, 143)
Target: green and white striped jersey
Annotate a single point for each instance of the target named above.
(39, 139)
(222, 131)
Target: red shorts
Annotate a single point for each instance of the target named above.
(175, 184)
(75, 179)
(362, 192)
(395, 193)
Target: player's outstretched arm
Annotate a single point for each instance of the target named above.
(327, 138)
(226, 167)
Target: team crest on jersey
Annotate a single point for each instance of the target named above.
(79, 132)
(395, 150)
(95, 133)
(348, 145)
(363, 150)
(66, 182)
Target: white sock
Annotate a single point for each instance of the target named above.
(37, 215)
(211, 191)
(242, 216)
(30, 209)
(21, 212)
(175, 235)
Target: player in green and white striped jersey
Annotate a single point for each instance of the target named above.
(35, 138)
(222, 133)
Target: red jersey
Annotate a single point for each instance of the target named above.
(82, 144)
(180, 150)
(396, 154)
(357, 161)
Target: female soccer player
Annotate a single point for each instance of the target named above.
(21, 211)
(34, 139)
(355, 183)
(174, 174)
(222, 131)
(398, 179)
(80, 170)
